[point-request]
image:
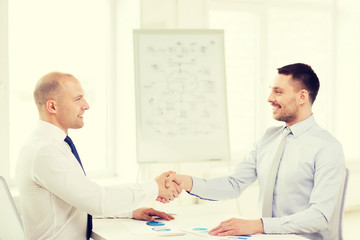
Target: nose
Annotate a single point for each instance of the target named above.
(271, 98)
(86, 105)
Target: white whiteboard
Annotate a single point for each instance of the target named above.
(181, 103)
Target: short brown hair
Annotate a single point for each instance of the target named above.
(305, 76)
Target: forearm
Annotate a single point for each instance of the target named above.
(216, 188)
(118, 199)
(101, 200)
(309, 221)
(227, 187)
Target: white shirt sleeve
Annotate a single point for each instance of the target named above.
(63, 176)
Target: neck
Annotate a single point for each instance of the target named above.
(301, 117)
(52, 120)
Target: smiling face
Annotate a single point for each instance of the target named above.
(284, 99)
(71, 105)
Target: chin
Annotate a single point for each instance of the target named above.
(277, 118)
(79, 126)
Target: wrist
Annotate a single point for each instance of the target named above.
(261, 226)
(131, 214)
(188, 183)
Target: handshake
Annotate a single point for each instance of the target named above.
(171, 184)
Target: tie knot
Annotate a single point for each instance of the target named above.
(73, 150)
(286, 131)
(68, 140)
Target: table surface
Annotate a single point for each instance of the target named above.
(186, 220)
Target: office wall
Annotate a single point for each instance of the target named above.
(193, 14)
(347, 62)
(346, 49)
(127, 18)
(173, 14)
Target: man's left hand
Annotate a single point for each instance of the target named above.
(148, 214)
(238, 226)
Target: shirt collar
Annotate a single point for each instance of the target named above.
(51, 130)
(301, 127)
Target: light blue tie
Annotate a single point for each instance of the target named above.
(269, 189)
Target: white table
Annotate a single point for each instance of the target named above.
(185, 221)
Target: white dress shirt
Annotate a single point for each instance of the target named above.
(56, 195)
(308, 182)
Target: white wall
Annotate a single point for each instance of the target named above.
(347, 62)
(127, 18)
(193, 14)
(173, 14)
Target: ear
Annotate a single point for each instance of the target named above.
(51, 106)
(303, 96)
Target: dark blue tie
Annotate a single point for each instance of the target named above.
(73, 150)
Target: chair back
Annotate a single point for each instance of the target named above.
(335, 226)
(11, 227)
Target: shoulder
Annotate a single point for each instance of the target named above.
(273, 130)
(327, 148)
(40, 148)
(323, 136)
(270, 135)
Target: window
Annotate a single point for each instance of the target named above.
(242, 57)
(260, 37)
(66, 36)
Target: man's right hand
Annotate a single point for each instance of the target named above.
(184, 181)
(167, 191)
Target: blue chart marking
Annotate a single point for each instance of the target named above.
(200, 229)
(239, 237)
(160, 229)
(155, 223)
(158, 226)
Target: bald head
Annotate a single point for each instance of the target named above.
(60, 100)
(49, 87)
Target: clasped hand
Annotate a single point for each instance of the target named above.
(171, 184)
(168, 191)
